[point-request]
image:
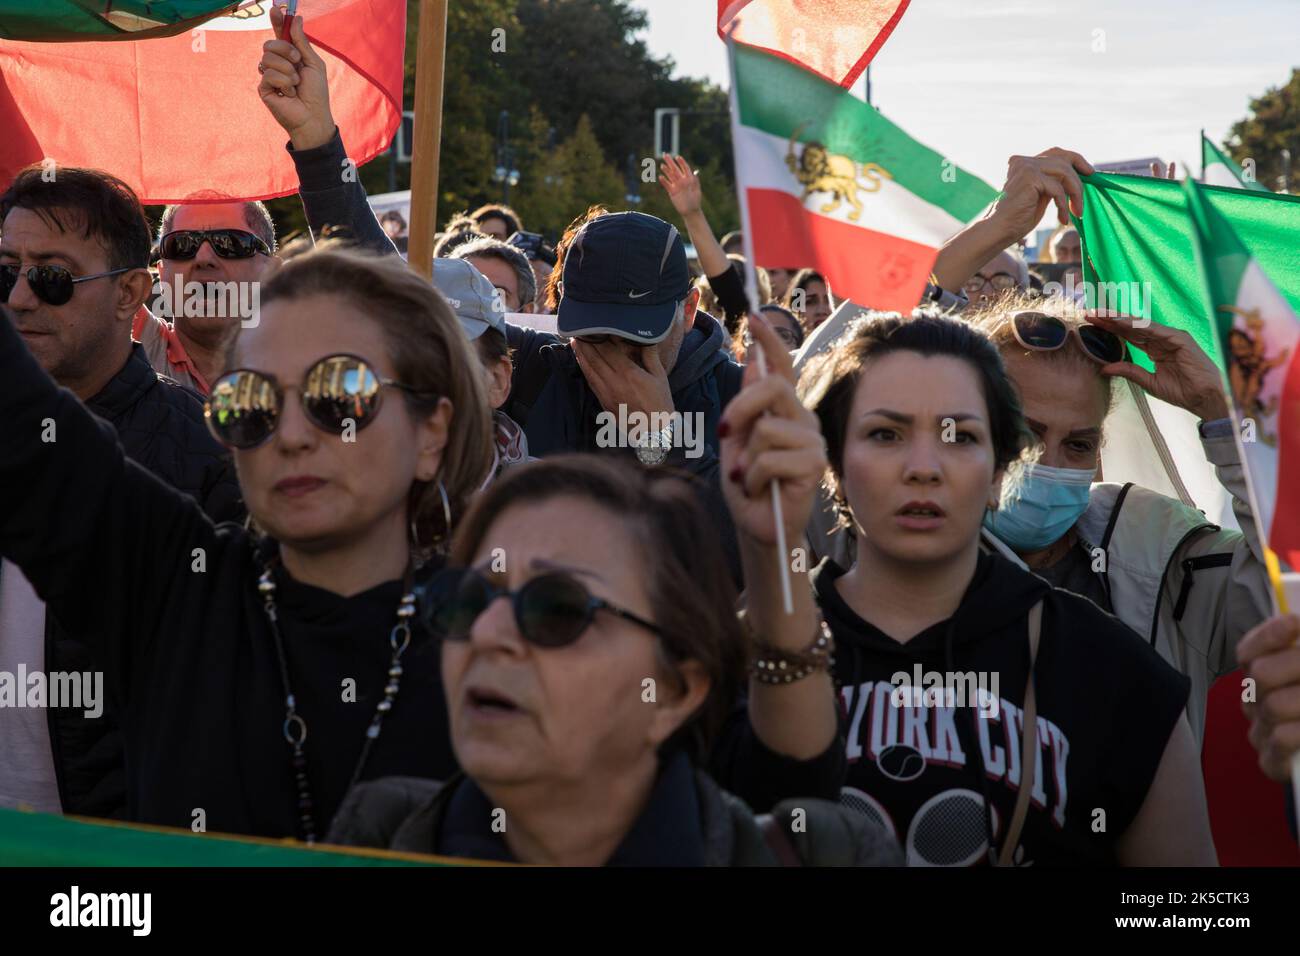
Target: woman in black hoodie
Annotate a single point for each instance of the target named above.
(933, 638)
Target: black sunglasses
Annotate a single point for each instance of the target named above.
(227, 243)
(53, 285)
(551, 610)
(1046, 333)
(243, 409)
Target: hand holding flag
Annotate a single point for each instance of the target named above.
(294, 86)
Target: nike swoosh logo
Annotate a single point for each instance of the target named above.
(635, 295)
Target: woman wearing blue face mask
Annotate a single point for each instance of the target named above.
(1191, 589)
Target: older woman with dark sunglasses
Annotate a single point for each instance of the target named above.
(591, 660)
(260, 675)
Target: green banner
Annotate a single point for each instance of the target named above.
(1139, 238)
(64, 20)
(39, 839)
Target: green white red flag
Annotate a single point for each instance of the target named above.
(1259, 333)
(826, 181)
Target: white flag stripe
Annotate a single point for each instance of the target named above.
(892, 209)
(1281, 333)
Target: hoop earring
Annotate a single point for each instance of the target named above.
(446, 509)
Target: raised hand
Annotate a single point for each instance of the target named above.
(294, 87)
(767, 434)
(1033, 183)
(681, 184)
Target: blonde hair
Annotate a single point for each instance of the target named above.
(994, 319)
(430, 355)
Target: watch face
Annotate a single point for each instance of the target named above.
(652, 454)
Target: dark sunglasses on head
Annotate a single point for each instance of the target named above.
(551, 610)
(227, 243)
(243, 409)
(1046, 333)
(53, 285)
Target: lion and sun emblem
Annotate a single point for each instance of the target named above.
(819, 170)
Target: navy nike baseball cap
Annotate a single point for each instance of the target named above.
(624, 274)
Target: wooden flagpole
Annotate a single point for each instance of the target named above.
(431, 55)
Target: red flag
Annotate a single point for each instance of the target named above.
(180, 117)
(835, 38)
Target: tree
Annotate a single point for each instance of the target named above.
(1274, 125)
(581, 91)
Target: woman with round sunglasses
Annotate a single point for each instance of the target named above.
(1190, 589)
(591, 659)
(261, 673)
(991, 717)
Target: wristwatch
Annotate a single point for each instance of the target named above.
(654, 447)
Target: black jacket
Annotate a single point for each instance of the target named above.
(189, 655)
(688, 821)
(160, 425)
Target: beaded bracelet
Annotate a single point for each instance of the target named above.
(777, 666)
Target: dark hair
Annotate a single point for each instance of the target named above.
(690, 590)
(256, 217)
(794, 319)
(830, 381)
(735, 237)
(453, 239)
(496, 210)
(492, 346)
(556, 277)
(98, 204)
(429, 352)
(490, 248)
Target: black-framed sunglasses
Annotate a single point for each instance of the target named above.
(998, 282)
(53, 285)
(184, 244)
(551, 610)
(243, 408)
(1040, 332)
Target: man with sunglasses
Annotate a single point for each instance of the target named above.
(73, 271)
(223, 249)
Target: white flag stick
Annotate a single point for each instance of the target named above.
(751, 291)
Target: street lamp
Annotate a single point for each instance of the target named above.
(505, 173)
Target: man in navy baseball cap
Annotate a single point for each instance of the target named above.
(625, 275)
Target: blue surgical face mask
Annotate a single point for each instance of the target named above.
(1047, 504)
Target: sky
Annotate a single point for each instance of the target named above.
(981, 80)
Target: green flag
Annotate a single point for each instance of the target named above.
(70, 20)
(1139, 239)
(1218, 169)
(40, 839)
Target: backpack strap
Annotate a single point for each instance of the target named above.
(1028, 744)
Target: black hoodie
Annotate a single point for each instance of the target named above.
(1107, 705)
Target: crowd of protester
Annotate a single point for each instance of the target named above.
(282, 539)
